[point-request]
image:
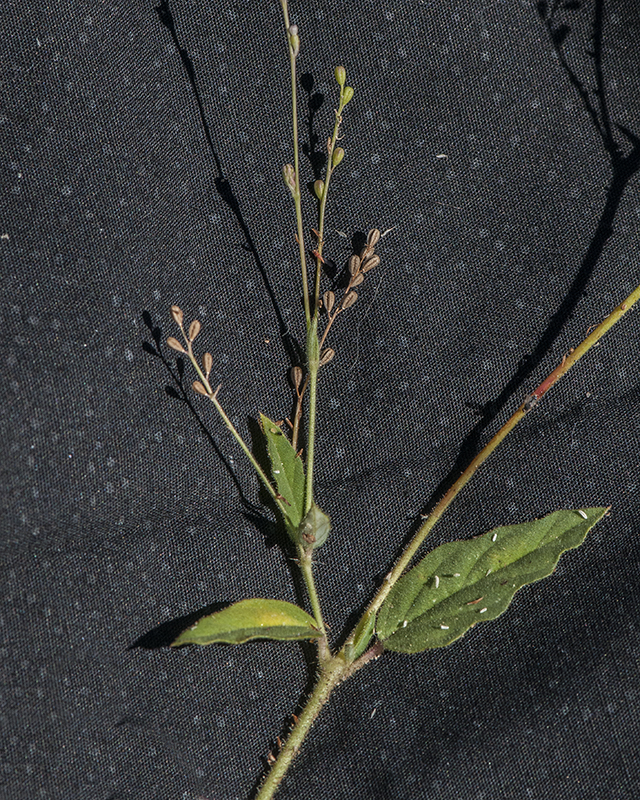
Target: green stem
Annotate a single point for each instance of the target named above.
(332, 674)
(306, 567)
(323, 201)
(214, 399)
(293, 55)
(528, 403)
(313, 359)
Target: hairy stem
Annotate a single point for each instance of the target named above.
(306, 567)
(332, 674)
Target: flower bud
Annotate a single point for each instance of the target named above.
(338, 155)
(177, 315)
(294, 40)
(373, 237)
(354, 265)
(346, 95)
(340, 75)
(207, 363)
(349, 299)
(318, 189)
(314, 528)
(199, 388)
(194, 329)
(289, 177)
(326, 355)
(329, 299)
(174, 344)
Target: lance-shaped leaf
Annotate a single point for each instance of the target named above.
(461, 583)
(287, 470)
(251, 619)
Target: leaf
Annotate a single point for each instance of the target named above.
(461, 583)
(287, 471)
(251, 619)
(363, 635)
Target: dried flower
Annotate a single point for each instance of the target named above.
(174, 344)
(289, 177)
(329, 299)
(194, 329)
(349, 299)
(373, 237)
(178, 316)
(199, 388)
(326, 356)
(295, 373)
(354, 265)
(370, 262)
(207, 363)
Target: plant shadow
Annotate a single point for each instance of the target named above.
(624, 162)
(224, 189)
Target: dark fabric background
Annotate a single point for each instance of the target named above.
(142, 151)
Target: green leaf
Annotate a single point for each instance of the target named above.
(462, 583)
(251, 619)
(287, 471)
(362, 636)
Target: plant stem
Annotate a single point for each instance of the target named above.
(333, 672)
(313, 363)
(323, 201)
(293, 54)
(306, 567)
(214, 399)
(529, 402)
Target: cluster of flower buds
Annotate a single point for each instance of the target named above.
(358, 266)
(189, 338)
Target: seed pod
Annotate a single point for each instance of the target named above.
(207, 363)
(338, 155)
(340, 75)
(199, 388)
(326, 356)
(354, 265)
(329, 299)
(370, 263)
(373, 237)
(357, 279)
(295, 373)
(318, 189)
(178, 316)
(347, 95)
(174, 344)
(194, 329)
(349, 299)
